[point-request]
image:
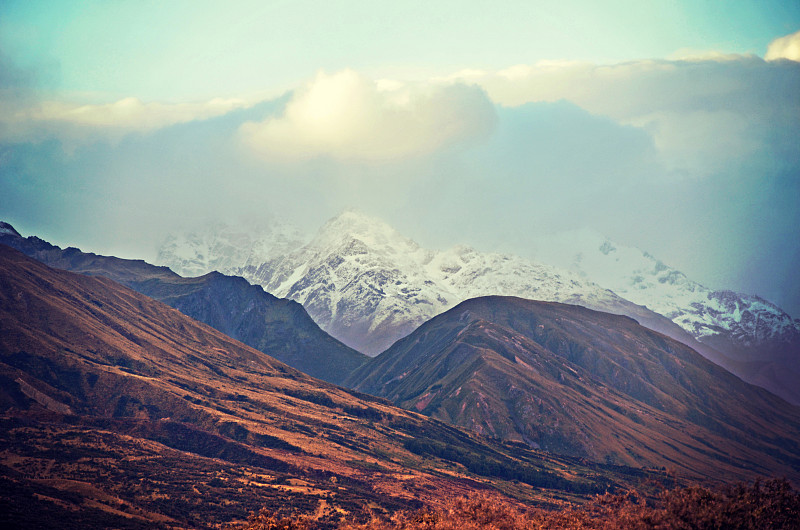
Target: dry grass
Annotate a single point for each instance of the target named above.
(770, 504)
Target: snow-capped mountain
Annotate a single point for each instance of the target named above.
(733, 321)
(368, 285)
(223, 247)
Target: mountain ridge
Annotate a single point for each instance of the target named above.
(279, 327)
(368, 285)
(573, 380)
(393, 279)
(643, 279)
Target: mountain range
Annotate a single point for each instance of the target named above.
(118, 402)
(279, 327)
(368, 285)
(117, 410)
(746, 327)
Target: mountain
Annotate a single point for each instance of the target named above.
(119, 411)
(594, 385)
(761, 342)
(368, 285)
(281, 328)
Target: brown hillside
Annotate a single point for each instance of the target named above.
(599, 386)
(117, 410)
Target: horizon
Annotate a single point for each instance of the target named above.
(669, 128)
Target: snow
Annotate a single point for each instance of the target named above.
(642, 279)
(224, 247)
(360, 274)
(360, 271)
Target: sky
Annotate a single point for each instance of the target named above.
(669, 126)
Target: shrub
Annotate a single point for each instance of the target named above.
(769, 504)
(266, 520)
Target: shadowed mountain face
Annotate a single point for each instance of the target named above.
(279, 327)
(571, 380)
(117, 410)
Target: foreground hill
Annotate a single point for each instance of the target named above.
(119, 411)
(571, 380)
(279, 327)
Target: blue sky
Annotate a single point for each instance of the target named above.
(671, 126)
(183, 50)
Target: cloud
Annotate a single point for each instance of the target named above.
(132, 114)
(706, 114)
(787, 47)
(717, 196)
(349, 117)
(12, 77)
(694, 160)
(75, 124)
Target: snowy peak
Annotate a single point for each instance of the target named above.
(359, 231)
(750, 320)
(641, 278)
(358, 278)
(368, 285)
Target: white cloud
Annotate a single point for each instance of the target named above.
(133, 114)
(349, 117)
(705, 113)
(75, 124)
(787, 47)
(689, 54)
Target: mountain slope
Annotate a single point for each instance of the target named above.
(281, 328)
(222, 247)
(117, 410)
(590, 384)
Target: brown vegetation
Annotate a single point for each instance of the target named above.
(770, 504)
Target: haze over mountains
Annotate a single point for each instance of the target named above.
(368, 285)
(223, 247)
